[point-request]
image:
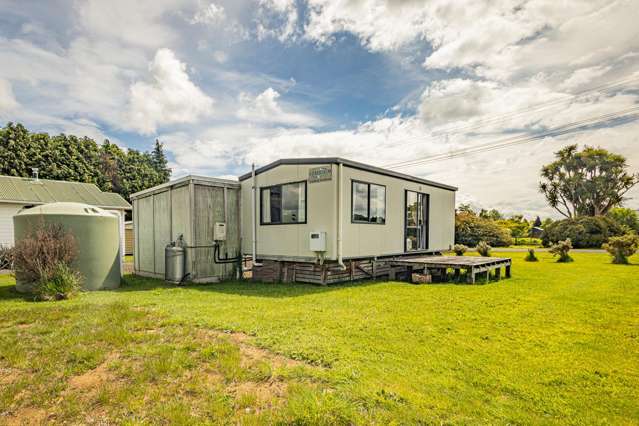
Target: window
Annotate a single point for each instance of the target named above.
(369, 203)
(283, 204)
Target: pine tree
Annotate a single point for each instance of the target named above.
(159, 161)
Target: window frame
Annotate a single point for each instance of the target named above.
(262, 188)
(426, 220)
(368, 203)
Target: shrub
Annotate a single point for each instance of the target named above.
(483, 249)
(43, 258)
(61, 283)
(6, 257)
(584, 231)
(561, 249)
(622, 247)
(627, 218)
(531, 257)
(460, 249)
(471, 229)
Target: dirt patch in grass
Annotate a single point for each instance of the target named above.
(92, 379)
(251, 353)
(8, 376)
(268, 394)
(26, 416)
(119, 363)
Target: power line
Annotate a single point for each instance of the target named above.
(557, 131)
(497, 119)
(581, 125)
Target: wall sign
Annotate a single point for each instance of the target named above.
(320, 174)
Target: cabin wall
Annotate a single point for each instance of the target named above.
(368, 239)
(292, 240)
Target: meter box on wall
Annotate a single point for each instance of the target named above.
(317, 241)
(219, 231)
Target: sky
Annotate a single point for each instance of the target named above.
(224, 84)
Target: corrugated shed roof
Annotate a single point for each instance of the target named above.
(41, 191)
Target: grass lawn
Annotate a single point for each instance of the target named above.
(557, 343)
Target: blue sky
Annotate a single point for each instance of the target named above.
(224, 84)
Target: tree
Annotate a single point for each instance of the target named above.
(160, 163)
(537, 223)
(586, 183)
(625, 217)
(81, 159)
(493, 214)
(470, 229)
(465, 208)
(517, 225)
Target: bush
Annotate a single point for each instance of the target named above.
(471, 229)
(483, 249)
(61, 283)
(622, 247)
(6, 257)
(460, 249)
(561, 249)
(531, 257)
(627, 218)
(43, 258)
(584, 231)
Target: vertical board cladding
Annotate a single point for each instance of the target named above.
(189, 208)
(209, 209)
(180, 222)
(145, 240)
(161, 228)
(136, 238)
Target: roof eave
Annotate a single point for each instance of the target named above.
(347, 163)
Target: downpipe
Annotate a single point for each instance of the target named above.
(340, 208)
(254, 218)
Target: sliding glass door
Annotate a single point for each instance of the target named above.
(416, 221)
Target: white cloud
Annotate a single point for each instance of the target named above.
(278, 19)
(169, 97)
(381, 25)
(584, 76)
(136, 23)
(211, 14)
(7, 99)
(265, 108)
(220, 56)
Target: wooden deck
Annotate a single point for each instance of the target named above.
(473, 265)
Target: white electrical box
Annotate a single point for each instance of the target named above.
(317, 241)
(219, 231)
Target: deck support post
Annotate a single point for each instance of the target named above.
(470, 275)
(456, 275)
(497, 274)
(507, 271)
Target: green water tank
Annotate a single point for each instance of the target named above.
(97, 235)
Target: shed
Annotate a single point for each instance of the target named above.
(341, 213)
(129, 237)
(17, 193)
(189, 207)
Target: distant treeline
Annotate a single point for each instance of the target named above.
(81, 159)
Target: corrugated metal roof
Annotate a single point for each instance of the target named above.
(41, 191)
